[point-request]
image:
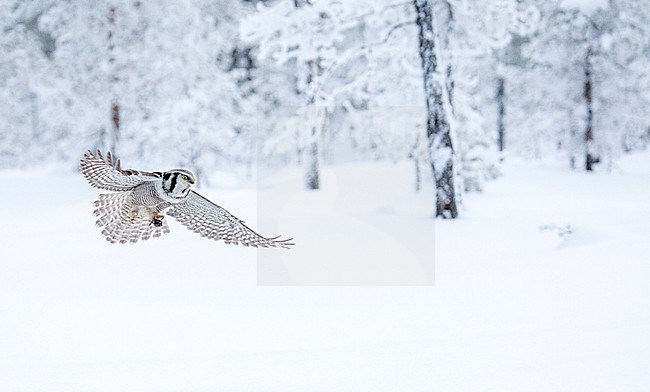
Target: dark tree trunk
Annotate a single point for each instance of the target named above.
(312, 180)
(313, 176)
(111, 141)
(115, 120)
(501, 113)
(314, 69)
(438, 129)
(590, 158)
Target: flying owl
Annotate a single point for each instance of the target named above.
(136, 211)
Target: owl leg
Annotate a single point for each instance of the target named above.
(139, 212)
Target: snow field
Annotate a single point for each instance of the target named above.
(513, 307)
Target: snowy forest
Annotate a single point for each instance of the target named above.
(454, 86)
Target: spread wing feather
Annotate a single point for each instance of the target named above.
(212, 221)
(106, 173)
(115, 215)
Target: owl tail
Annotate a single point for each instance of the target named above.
(124, 221)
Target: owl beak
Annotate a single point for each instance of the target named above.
(192, 181)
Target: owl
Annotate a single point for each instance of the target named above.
(141, 200)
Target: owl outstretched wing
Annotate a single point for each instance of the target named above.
(123, 221)
(212, 221)
(106, 173)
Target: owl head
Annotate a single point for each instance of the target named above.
(177, 182)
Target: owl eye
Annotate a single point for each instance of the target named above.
(185, 178)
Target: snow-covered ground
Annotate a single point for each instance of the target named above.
(365, 226)
(515, 306)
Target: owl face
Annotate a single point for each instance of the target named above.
(177, 182)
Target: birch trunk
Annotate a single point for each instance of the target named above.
(439, 139)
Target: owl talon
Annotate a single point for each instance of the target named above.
(157, 220)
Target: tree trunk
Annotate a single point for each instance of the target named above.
(438, 129)
(115, 123)
(312, 178)
(572, 138)
(416, 161)
(415, 155)
(501, 113)
(111, 141)
(36, 124)
(590, 158)
(312, 171)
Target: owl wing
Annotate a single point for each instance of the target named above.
(106, 173)
(211, 221)
(122, 221)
